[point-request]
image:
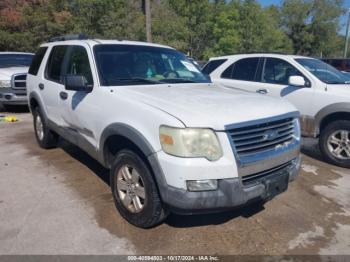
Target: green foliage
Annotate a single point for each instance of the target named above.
(200, 28)
(312, 25)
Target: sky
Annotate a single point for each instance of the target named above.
(342, 19)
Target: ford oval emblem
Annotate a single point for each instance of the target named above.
(270, 135)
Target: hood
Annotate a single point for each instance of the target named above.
(207, 105)
(7, 72)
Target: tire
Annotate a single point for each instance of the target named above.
(44, 136)
(135, 192)
(334, 143)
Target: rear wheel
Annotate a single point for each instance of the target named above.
(335, 143)
(44, 136)
(135, 192)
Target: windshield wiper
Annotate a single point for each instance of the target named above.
(178, 80)
(11, 65)
(135, 79)
(337, 83)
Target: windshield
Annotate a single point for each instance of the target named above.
(323, 71)
(11, 60)
(135, 64)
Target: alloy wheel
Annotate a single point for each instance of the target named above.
(130, 188)
(339, 144)
(39, 128)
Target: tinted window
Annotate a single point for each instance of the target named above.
(278, 71)
(324, 72)
(78, 63)
(36, 62)
(140, 65)
(245, 69)
(15, 60)
(212, 65)
(55, 63)
(228, 72)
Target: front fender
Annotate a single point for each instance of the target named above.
(128, 132)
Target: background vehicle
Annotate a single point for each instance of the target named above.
(342, 64)
(319, 91)
(13, 73)
(172, 142)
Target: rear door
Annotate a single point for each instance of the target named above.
(52, 82)
(241, 75)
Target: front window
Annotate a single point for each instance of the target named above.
(323, 71)
(15, 60)
(134, 65)
(278, 71)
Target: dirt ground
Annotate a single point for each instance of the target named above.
(59, 202)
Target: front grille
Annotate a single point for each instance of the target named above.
(19, 81)
(256, 138)
(255, 178)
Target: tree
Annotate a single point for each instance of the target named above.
(196, 14)
(259, 29)
(312, 25)
(225, 33)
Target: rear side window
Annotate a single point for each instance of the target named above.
(228, 72)
(212, 65)
(55, 63)
(37, 59)
(245, 69)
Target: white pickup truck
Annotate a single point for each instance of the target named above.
(13, 73)
(320, 92)
(171, 139)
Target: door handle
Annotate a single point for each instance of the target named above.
(63, 95)
(262, 91)
(41, 86)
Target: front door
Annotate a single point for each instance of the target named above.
(77, 107)
(274, 81)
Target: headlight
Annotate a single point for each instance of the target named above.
(190, 142)
(5, 83)
(297, 131)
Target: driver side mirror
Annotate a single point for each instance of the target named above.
(77, 83)
(297, 81)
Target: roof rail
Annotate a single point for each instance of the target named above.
(69, 37)
(261, 52)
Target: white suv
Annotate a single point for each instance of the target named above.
(320, 92)
(172, 141)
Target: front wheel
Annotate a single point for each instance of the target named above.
(335, 143)
(135, 192)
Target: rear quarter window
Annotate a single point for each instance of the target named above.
(37, 59)
(212, 65)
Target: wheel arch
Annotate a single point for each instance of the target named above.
(35, 101)
(119, 136)
(331, 113)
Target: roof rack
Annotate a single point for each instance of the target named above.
(69, 37)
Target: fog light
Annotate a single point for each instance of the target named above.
(202, 185)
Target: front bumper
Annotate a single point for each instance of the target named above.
(13, 97)
(231, 193)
